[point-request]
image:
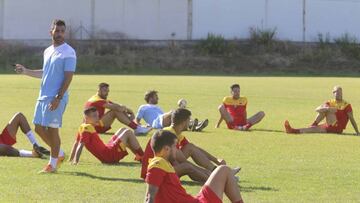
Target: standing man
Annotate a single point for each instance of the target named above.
(58, 69)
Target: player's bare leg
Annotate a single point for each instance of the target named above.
(255, 119)
(128, 138)
(55, 141)
(110, 116)
(195, 173)
(20, 121)
(6, 150)
(312, 129)
(198, 156)
(225, 114)
(222, 180)
(166, 119)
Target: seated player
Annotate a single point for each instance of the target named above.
(115, 111)
(163, 185)
(109, 153)
(233, 111)
(8, 139)
(180, 122)
(156, 118)
(336, 112)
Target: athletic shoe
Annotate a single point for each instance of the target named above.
(141, 130)
(41, 149)
(48, 169)
(289, 129)
(193, 124)
(202, 125)
(36, 151)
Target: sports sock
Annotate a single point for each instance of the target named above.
(31, 136)
(61, 153)
(53, 161)
(133, 125)
(25, 153)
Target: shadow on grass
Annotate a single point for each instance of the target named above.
(257, 188)
(267, 130)
(126, 164)
(88, 175)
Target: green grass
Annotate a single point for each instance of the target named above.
(276, 167)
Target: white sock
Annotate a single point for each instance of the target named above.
(31, 136)
(53, 161)
(61, 153)
(25, 153)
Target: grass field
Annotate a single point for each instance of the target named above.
(276, 167)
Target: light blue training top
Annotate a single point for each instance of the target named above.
(57, 60)
(149, 112)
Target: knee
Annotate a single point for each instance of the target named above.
(220, 108)
(223, 169)
(19, 116)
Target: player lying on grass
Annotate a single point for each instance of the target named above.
(233, 111)
(156, 118)
(163, 184)
(207, 162)
(109, 153)
(336, 112)
(115, 111)
(8, 139)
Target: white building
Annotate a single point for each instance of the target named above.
(295, 20)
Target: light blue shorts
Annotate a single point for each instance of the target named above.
(44, 117)
(158, 122)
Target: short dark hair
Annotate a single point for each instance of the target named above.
(232, 87)
(103, 84)
(149, 94)
(57, 22)
(180, 115)
(89, 110)
(162, 138)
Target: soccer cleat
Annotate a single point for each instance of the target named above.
(202, 125)
(289, 129)
(48, 169)
(41, 149)
(141, 130)
(247, 126)
(36, 151)
(193, 124)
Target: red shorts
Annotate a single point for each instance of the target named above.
(206, 195)
(5, 138)
(236, 124)
(117, 150)
(332, 128)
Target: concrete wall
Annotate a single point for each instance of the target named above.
(179, 19)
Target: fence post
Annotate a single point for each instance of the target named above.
(92, 32)
(2, 16)
(304, 20)
(190, 20)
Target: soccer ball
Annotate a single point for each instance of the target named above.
(182, 103)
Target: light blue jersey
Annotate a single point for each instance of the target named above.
(149, 113)
(57, 60)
